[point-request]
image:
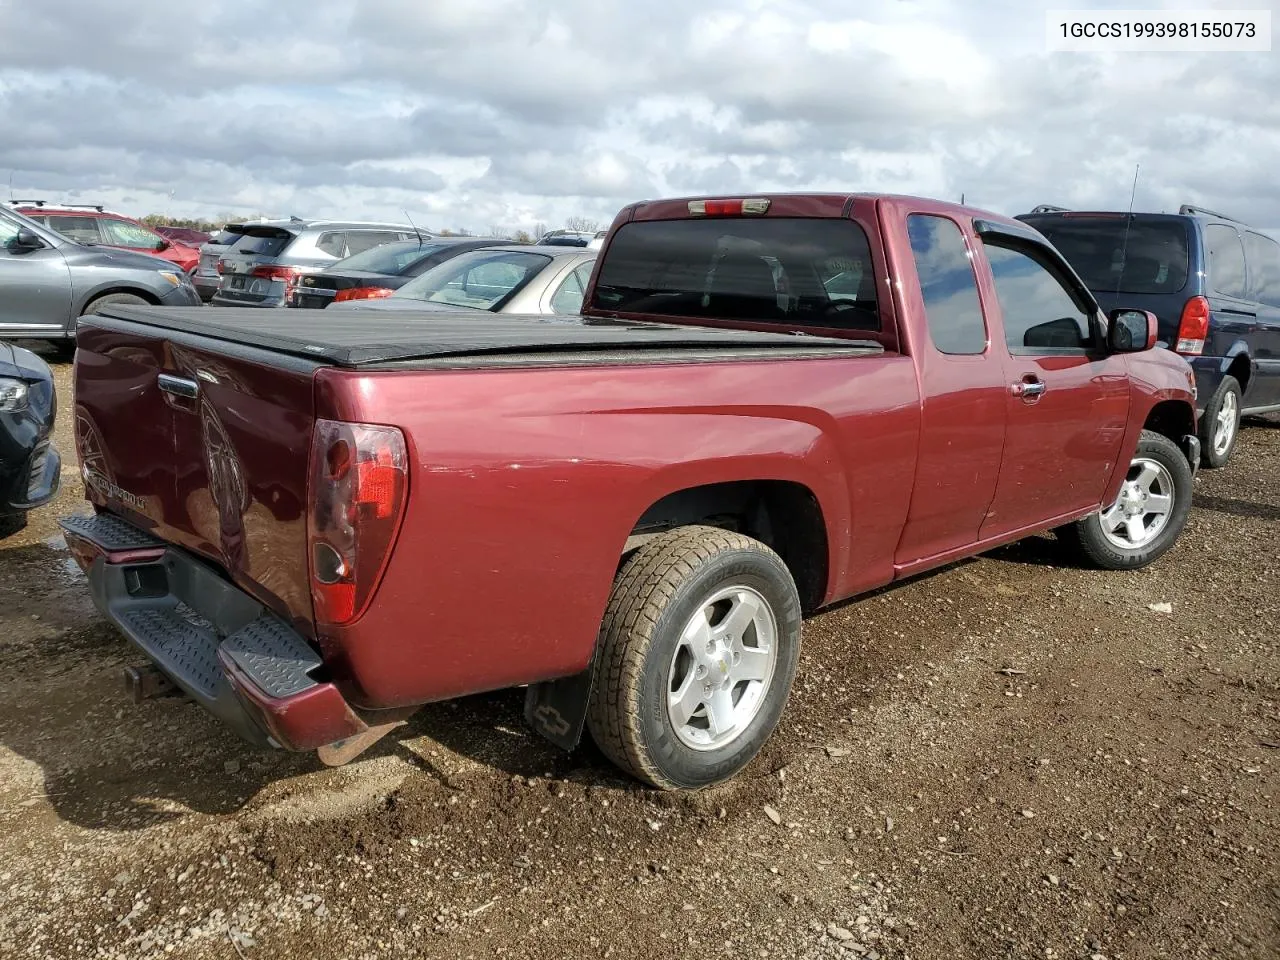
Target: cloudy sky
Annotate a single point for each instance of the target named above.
(480, 113)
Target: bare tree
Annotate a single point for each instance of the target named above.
(499, 231)
(582, 224)
(539, 230)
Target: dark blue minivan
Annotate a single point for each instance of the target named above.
(1214, 283)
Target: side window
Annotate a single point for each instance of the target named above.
(1226, 261)
(358, 241)
(84, 229)
(1040, 312)
(568, 299)
(8, 231)
(121, 233)
(334, 244)
(1264, 269)
(950, 291)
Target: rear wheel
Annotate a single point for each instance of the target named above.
(1147, 517)
(1220, 425)
(697, 653)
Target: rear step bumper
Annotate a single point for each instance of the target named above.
(222, 647)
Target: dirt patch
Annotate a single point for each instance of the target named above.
(1006, 759)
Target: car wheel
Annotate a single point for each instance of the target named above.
(696, 656)
(1220, 425)
(11, 523)
(107, 300)
(1147, 517)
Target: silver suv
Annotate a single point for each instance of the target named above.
(259, 265)
(47, 280)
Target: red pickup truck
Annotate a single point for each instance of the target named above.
(314, 524)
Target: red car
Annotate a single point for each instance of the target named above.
(313, 524)
(94, 224)
(184, 235)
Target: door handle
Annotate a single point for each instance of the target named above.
(178, 386)
(1029, 389)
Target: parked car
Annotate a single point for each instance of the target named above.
(259, 265)
(207, 274)
(597, 241)
(94, 224)
(517, 278)
(48, 280)
(188, 235)
(30, 467)
(1214, 282)
(313, 526)
(380, 271)
(566, 238)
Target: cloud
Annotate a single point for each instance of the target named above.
(516, 111)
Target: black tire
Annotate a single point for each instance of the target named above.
(1211, 428)
(1088, 538)
(106, 300)
(659, 590)
(11, 523)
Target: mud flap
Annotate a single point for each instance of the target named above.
(557, 709)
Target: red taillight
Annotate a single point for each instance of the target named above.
(363, 293)
(219, 266)
(271, 271)
(357, 491)
(728, 208)
(1193, 328)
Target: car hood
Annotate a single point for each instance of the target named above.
(90, 256)
(21, 364)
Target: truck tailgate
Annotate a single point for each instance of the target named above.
(205, 444)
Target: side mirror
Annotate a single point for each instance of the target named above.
(26, 241)
(1132, 331)
(163, 245)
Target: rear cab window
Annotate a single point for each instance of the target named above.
(1121, 253)
(784, 271)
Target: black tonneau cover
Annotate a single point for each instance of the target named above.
(352, 338)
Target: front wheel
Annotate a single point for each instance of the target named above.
(1147, 517)
(696, 656)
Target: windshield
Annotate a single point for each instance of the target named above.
(482, 279)
(1152, 259)
(390, 258)
(783, 270)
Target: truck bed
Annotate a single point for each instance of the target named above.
(362, 339)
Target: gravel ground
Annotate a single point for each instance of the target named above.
(1009, 758)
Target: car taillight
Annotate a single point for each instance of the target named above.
(271, 271)
(728, 208)
(219, 266)
(1193, 329)
(357, 491)
(363, 293)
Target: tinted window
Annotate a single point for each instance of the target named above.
(263, 242)
(121, 233)
(947, 283)
(568, 299)
(358, 241)
(1226, 261)
(1039, 312)
(1264, 268)
(391, 258)
(84, 229)
(224, 238)
(1152, 259)
(334, 244)
(483, 279)
(769, 270)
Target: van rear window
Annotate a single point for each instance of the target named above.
(1153, 259)
(785, 270)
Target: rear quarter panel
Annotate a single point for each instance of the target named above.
(526, 483)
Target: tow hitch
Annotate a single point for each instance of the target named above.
(146, 682)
